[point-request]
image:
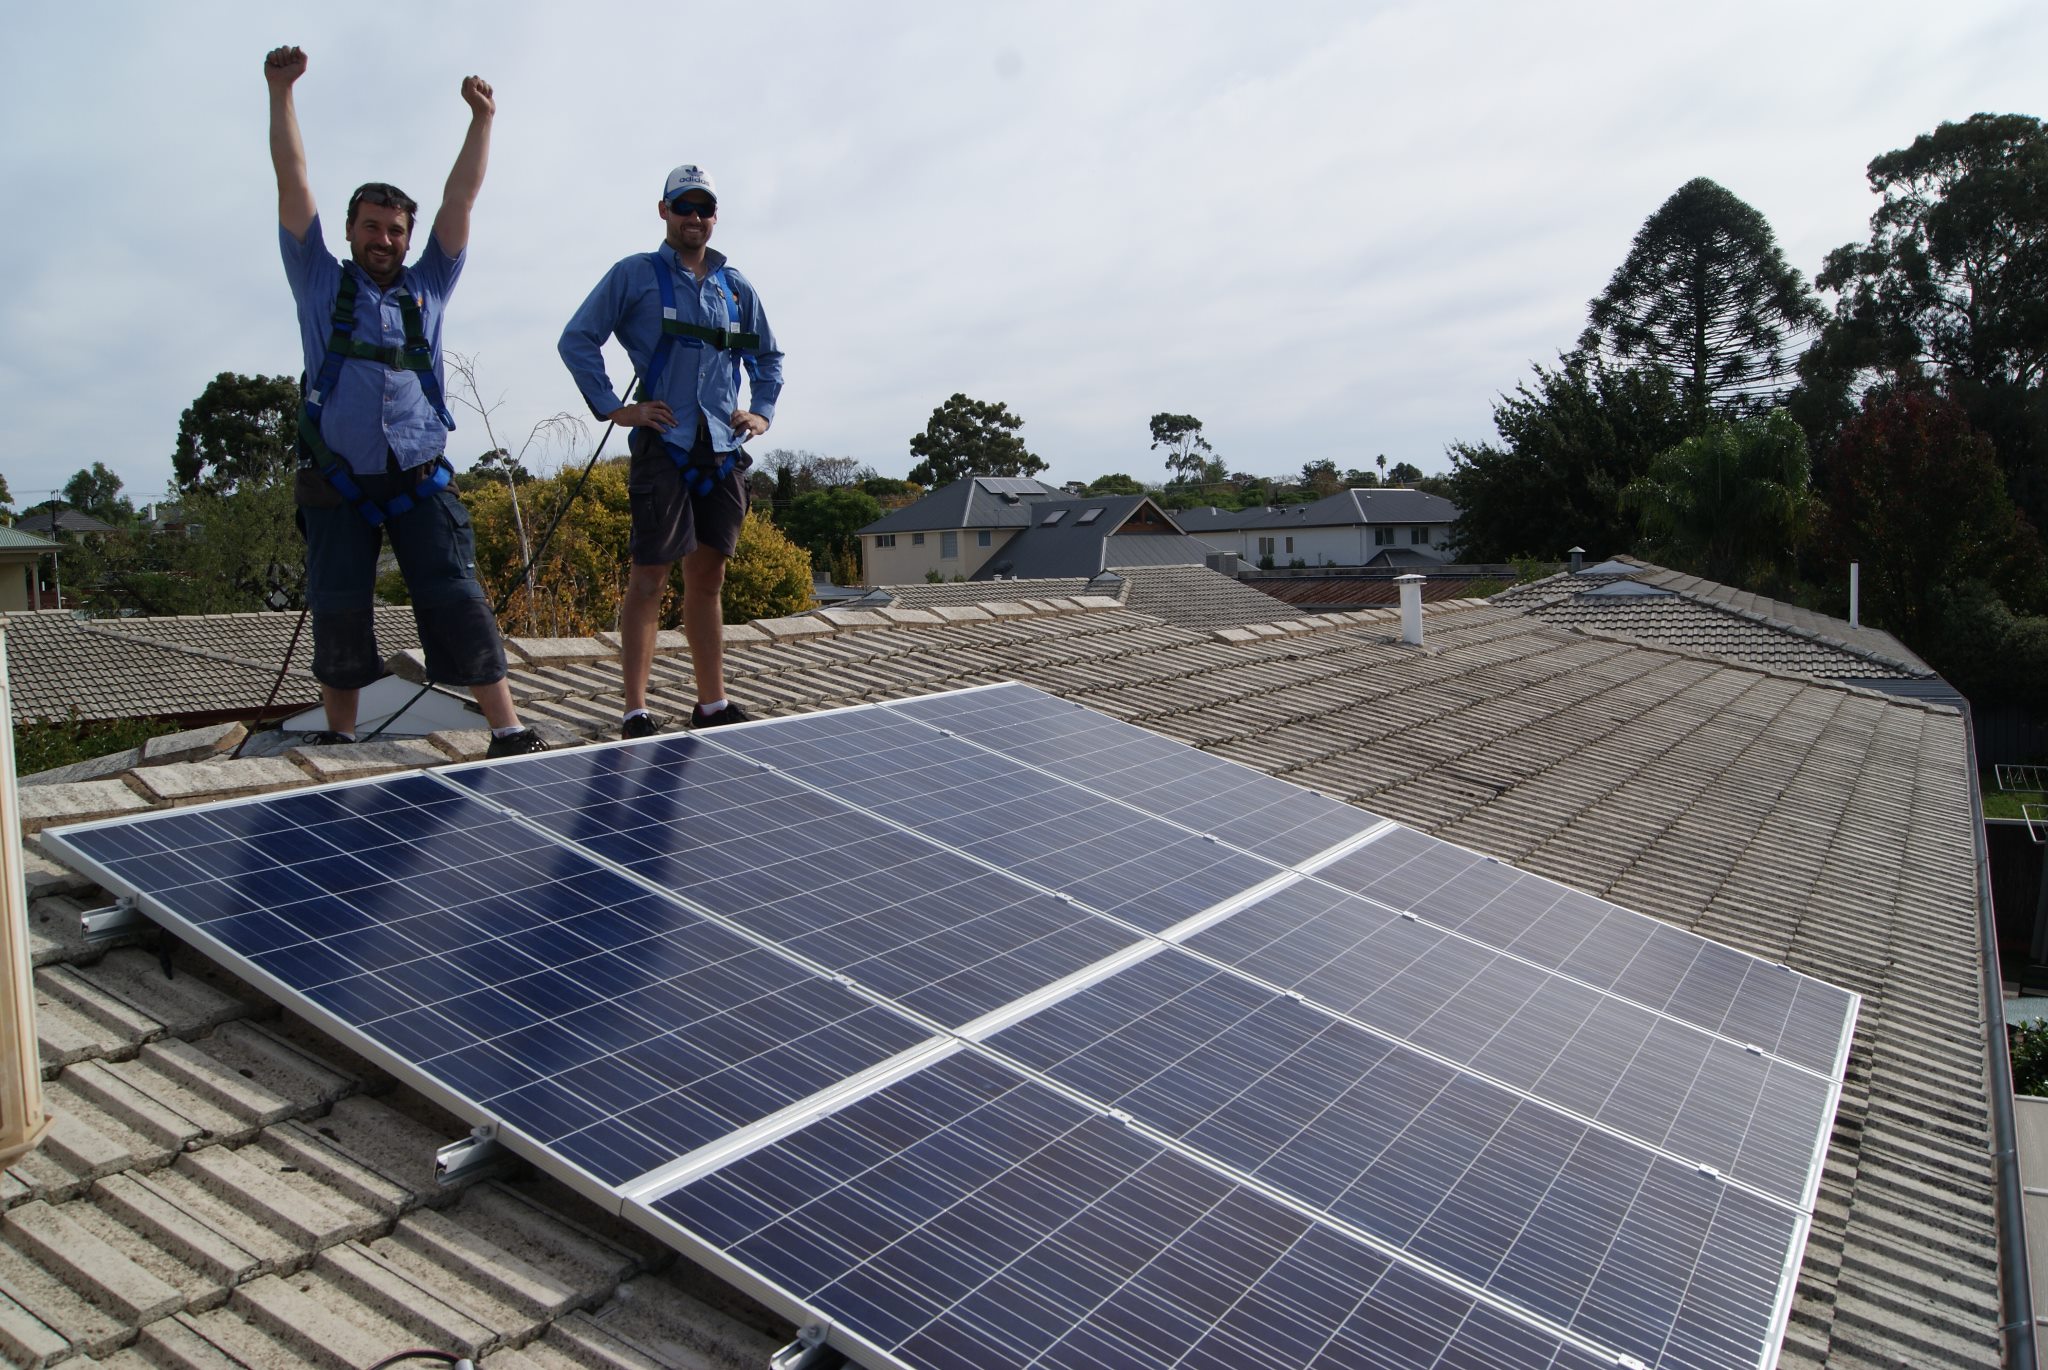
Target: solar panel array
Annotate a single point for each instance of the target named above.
(985, 1030)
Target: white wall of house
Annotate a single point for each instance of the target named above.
(1350, 545)
(913, 555)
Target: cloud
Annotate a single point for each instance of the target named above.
(1325, 229)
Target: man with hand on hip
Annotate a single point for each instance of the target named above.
(689, 322)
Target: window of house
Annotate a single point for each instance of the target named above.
(949, 545)
(1419, 536)
(981, 539)
(917, 539)
(885, 539)
(1383, 537)
(1290, 544)
(1054, 517)
(1089, 517)
(1265, 547)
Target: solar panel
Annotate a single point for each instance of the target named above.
(990, 1031)
(917, 923)
(966, 1217)
(508, 974)
(1702, 1097)
(1551, 925)
(1270, 818)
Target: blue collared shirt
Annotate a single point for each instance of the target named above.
(696, 379)
(373, 407)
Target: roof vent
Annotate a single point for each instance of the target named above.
(1411, 608)
(1578, 556)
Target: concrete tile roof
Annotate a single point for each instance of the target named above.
(1191, 596)
(61, 666)
(225, 1187)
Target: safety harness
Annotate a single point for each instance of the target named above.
(416, 356)
(728, 340)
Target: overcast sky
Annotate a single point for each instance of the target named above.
(1326, 230)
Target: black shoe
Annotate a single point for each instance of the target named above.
(327, 738)
(515, 744)
(640, 725)
(731, 713)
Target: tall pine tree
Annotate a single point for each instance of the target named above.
(1707, 295)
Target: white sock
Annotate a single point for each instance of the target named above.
(507, 732)
(713, 707)
(632, 714)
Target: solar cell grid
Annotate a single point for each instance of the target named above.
(612, 1025)
(966, 1217)
(1518, 1199)
(1271, 818)
(915, 922)
(1666, 969)
(1107, 855)
(1675, 1086)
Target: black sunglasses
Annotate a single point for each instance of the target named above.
(684, 209)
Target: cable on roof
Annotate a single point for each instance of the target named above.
(423, 1353)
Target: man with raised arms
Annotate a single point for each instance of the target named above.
(373, 426)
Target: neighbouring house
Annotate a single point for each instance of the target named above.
(1396, 528)
(64, 520)
(21, 570)
(1007, 527)
(223, 1185)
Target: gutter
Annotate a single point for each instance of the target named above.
(2015, 1289)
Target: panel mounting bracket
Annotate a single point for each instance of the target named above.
(807, 1352)
(457, 1161)
(117, 919)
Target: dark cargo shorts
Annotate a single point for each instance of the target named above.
(436, 551)
(669, 520)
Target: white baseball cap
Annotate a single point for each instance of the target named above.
(687, 177)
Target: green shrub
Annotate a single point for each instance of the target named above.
(2029, 1045)
(44, 746)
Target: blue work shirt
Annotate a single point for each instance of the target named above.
(696, 379)
(373, 407)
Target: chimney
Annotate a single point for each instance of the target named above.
(1223, 563)
(1578, 555)
(1411, 608)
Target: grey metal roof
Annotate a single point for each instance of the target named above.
(223, 1187)
(17, 540)
(976, 502)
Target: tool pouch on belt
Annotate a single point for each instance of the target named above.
(310, 490)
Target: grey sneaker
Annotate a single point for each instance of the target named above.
(515, 744)
(640, 725)
(731, 713)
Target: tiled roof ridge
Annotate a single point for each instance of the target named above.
(1759, 668)
(1823, 639)
(1533, 588)
(99, 628)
